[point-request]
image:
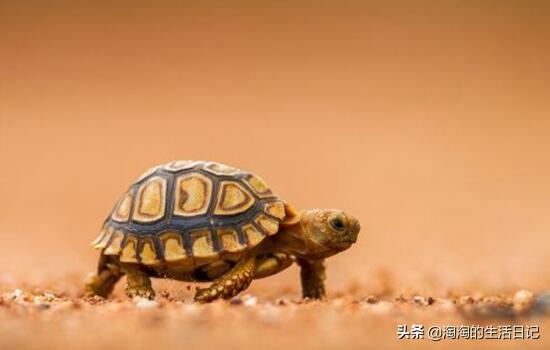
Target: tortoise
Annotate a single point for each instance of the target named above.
(201, 221)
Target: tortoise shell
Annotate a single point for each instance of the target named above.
(190, 209)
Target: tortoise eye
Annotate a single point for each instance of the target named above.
(337, 224)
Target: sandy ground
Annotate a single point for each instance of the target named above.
(58, 316)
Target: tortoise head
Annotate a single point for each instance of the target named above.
(329, 230)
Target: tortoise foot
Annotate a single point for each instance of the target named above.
(101, 284)
(315, 293)
(313, 278)
(138, 283)
(230, 284)
(140, 291)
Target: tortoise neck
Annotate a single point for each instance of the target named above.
(291, 239)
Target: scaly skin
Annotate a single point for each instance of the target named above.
(313, 278)
(103, 282)
(138, 283)
(231, 283)
(272, 264)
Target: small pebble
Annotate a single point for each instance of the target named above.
(50, 296)
(523, 300)
(465, 300)
(372, 299)
(270, 313)
(381, 308)
(420, 300)
(401, 299)
(190, 309)
(144, 303)
(446, 306)
(249, 300)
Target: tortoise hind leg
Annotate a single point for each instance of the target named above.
(104, 281)
(231, 283)
(138, 282)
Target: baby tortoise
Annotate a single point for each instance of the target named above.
(205, 221)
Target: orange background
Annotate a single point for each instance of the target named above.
(428, 121)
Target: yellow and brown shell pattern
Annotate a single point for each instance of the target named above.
(190, 209)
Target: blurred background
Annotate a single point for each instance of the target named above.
(428, 120)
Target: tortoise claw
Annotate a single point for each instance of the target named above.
(140, 291)
(315, 293)
(206, 295)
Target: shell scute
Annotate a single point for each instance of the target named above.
(258, 185)
(220, 169)
(123, 207)
(104, 238)
(202, 245)
(178, 165)
(252, 234)
(229, 240)
(193, 193)
(129, 250)
(233, 199)
(150, 200)
(173, 246)
(268, 225)
(99, 238)
(148, 254)
(114, 246)
(275, 209)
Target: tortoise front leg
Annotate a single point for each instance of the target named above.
(138, 282)
(272, 264)
(313, 278)
(231, 283)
